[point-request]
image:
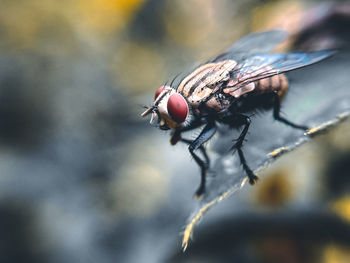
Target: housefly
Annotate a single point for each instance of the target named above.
(245, 78)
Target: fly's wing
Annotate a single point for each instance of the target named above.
(257, 43)
(263, 66)
(247, 46)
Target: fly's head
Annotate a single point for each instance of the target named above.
(169, 106)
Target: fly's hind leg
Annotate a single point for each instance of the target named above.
(251, 176)
(276, 114)
(245, 120)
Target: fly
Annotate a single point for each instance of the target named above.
(227, 89)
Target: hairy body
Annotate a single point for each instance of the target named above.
(227, 90)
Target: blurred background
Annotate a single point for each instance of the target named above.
(84, 179)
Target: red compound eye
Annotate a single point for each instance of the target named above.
(177, 108)
(158, 91)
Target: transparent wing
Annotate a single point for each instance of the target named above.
(263, 66)
(257, 43)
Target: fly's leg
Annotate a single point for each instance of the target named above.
(245, 120)
(276, 114)
(202, 149)
(208, 131)
(251, 176)
(193, 124)
(205, 135)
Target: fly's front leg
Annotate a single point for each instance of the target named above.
(192, 124)
(202, 149)
(245, 120)
(276, 114)
(208, 131)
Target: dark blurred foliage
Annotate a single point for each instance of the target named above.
(24, 116)
(325, 27)
(18, 228)
(339, 165)
(84, 179)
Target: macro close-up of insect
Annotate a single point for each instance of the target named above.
(174, 131)
(227, 89)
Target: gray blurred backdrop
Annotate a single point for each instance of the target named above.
(84, 179)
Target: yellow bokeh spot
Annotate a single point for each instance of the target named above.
(22, 22)
(284, 15)
(336, 254)
(138, 68)
(342, 208)
(274, 190)
(106, 16)
(26, 24)
(188, 22)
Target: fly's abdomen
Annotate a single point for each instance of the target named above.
(277, 83)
